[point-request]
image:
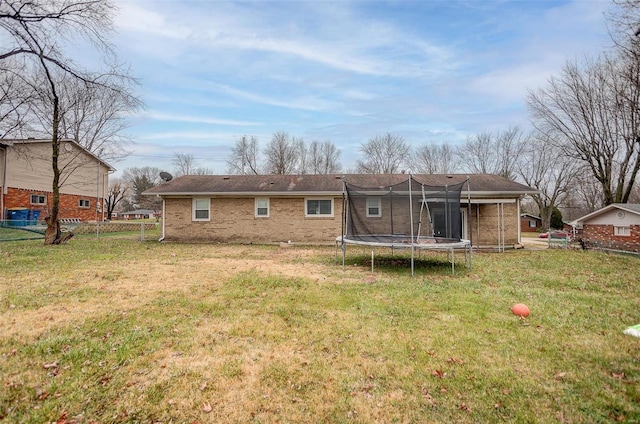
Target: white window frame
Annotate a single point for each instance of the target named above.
(317, 215)
(194, 206)
(81, 203)
(39, 196)
(257, 206)
(378, 202)
(622, 230)
(533, 223)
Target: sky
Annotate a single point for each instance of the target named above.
(432, 71)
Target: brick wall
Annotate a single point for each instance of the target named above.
(485, 220)
(524, 224)
(69, 204)
(233, 220)
(602, 236)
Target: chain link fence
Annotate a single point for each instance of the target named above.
(14, 230)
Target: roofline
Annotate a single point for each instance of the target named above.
(475, 194)
(13, 142)
(603, 210)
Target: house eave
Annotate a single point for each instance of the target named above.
(602, 211)
(488, 195)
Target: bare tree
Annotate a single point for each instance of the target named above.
(488, 153)
(15, 99)
(140, 180)
(187, 164)
(593, 111)
(434, 158)
(282, 154)
(35, 31)
(383, 154)
(183, 163)
(543, 167)
(323, 158)
(243, 159)
(94, 115)
(116, 194)
(303, 157)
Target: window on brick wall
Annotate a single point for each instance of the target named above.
(84, 203)
(621, 231)
(38, 199)
(262, 207)
(201, 209)
(373, 207)
(533, 224)
(318, 207)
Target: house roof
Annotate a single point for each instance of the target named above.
(138, 212)
(13, 142)
(522, 215)
(628, 207)
(330, 184)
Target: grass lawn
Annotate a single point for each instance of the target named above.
(117, 330)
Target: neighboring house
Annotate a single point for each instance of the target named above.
(529, 223)
(26, 178)
(615, 227)
(308, 208)
(138, 214)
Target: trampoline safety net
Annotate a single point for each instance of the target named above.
(407, 212)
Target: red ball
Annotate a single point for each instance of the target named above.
(521, 310)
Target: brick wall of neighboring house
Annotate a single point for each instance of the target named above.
(233, 220)
(524, 224)
(602, 236)
(69, 204)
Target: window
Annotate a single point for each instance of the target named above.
(38, 199)
(201, 209)
(373, 206)
(319, 207)
(262, 207)
(621, 231)
(533, 223)
(84, 203)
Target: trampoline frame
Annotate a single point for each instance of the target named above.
(413, 242)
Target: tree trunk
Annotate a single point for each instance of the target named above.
(53, 234)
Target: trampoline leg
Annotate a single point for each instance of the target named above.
(453, 261)
(372, 261)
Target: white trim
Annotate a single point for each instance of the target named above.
(618, 229)
(255, 209)
(44, 197)
(378, 200)
(307, 215)
(80, 205)
(193, 209)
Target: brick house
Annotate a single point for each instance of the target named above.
(615, 227)
(529, 223)
(26, 179)
(308, 208)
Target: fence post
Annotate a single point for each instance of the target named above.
(142, 231)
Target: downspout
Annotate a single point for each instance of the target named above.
(97, 192)
(163, 219)
(469, 222)
(411, 224)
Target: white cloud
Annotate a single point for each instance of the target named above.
(163, 116)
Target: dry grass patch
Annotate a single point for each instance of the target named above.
(121, 331)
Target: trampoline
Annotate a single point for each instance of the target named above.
(406, 215)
